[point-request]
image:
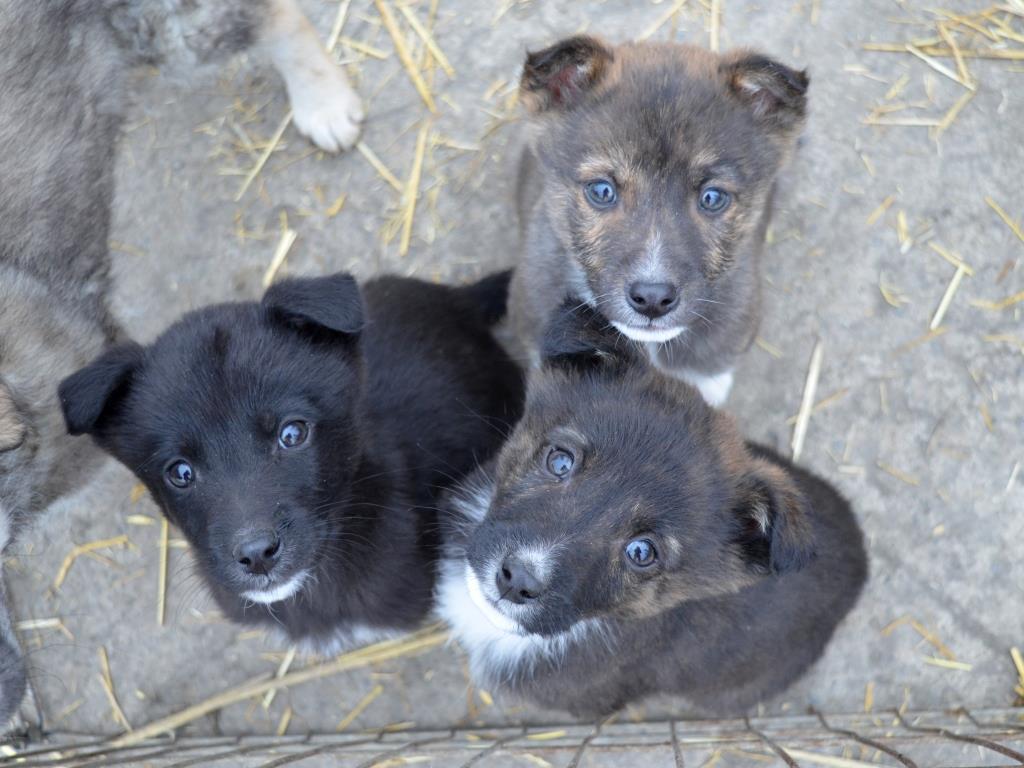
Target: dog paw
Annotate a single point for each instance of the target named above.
(326, 109)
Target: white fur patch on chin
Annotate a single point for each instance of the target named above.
(497, 655)
(280, 592)
(648, 335)
(492, 614)
(715, 389)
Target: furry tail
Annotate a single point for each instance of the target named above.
(490, 295)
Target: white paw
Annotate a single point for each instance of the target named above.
(715, 389)
(325, 109)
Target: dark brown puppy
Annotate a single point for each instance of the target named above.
(627, 542)
(646, 191)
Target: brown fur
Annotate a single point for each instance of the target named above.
(663, 122)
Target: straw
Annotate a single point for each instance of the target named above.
(404, 54)
(806, 404)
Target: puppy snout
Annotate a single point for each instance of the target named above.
(517, 582)
(653, 300)
(258, 552)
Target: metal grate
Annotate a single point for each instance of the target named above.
(957, 739)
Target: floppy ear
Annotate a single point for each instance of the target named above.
(12, 425)
(774, 532)
(776, 93)
(560, 75)
(87, 394)
(331, 303)
(581, 338)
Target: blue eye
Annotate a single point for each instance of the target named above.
(641, 552)
(560, 462)
(180, 474)
(293, 434)
(714, 200)
(601, 193)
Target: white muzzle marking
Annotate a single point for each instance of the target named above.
(648, 335)
(279, 592)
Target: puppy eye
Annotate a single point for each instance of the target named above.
(559, 462)
(180, 474)
(714, 200)
(601, 193)
(641, 552)
(293, 434)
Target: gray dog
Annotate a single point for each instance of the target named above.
(62, 101)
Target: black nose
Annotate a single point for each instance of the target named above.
(653, 299)
(258, 553)
(516, 583)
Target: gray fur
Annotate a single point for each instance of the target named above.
(62, 102)
(662, 122)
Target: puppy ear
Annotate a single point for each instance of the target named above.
(12, 425)
(774, 533)
(560, 75)
(581, 338)
(331, 303)
(776, 93)
(88, 394)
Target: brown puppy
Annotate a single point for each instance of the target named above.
(646, 190)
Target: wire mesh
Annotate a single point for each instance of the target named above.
(955, 739)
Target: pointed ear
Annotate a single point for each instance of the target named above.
(776, 93)
(581, 338)
(12, 425)
(559, 76)
(331, 304)
(774, 533)
(88, 394)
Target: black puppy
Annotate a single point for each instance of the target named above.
(626, 542)
(300, 445)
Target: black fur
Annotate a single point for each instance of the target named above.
(404, 390)
(758, 560)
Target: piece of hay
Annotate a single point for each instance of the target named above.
(771, 349)
(951, 115)
(387, 650)
(404, 54)
(546, 735)
(951, 257)
(384, 172)
(880, 210)
(1006, 303)
(807, 402)
(959, 666)
(869, 696)
(1014, 226)
(662, 19)
(898, 474)
(359, 708)
(923, 631)
(1009, 484)
(334, 208)
(288, 238)
(947, 297)
(914, 343)
(108, 685)
(282, 670)
(137, 492)
(821, 405)
(412, 190)
(428, 40)
(85, 549)
(161, 590)
(286, 719)
(714, 24)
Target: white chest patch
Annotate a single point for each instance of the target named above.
(714, 389)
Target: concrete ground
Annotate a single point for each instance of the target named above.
(922, 433)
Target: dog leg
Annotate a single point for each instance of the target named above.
(325, 107)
